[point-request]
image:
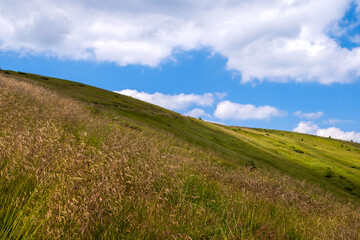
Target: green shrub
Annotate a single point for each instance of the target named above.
(298, 151)
(329, 174)
(250, 164)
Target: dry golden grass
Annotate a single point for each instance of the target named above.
(67, 173)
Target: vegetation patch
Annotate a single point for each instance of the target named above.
(250, 164)
(73, 169)
(329, 174)
(298, 151)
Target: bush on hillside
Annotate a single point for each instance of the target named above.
(250, 164)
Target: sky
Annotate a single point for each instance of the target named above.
(281, 64)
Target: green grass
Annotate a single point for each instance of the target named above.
(241, 147)
(89, 163)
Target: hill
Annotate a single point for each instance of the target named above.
(81, 162)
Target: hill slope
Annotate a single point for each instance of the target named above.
(82, 162)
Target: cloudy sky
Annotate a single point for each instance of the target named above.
(282, 64)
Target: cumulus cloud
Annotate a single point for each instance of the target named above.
(45, 31)
(339, 134)
(197, 112)
(276, 40)
(312, 115)
(312, 128)
(228, 110)
(174, 102)
(306, 127)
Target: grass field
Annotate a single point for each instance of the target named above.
(78, 162)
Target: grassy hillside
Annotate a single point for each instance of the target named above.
(81, 162)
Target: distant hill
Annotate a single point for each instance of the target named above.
(79, 162)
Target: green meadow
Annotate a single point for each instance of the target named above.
(79, 162)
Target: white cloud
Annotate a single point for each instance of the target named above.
(337, 121)
(197, 112)
(220, 95)
(306, 127)
(215, 122)
(312, 115)
(339, 134)
(174, 102)
(228, 110)
(355, 39)
(312, 128)
(276, 40)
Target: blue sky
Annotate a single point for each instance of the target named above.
(279, 64)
